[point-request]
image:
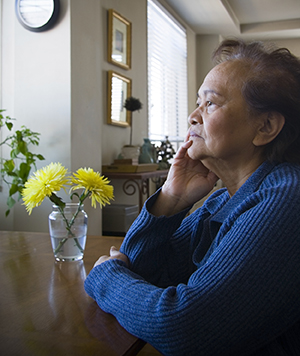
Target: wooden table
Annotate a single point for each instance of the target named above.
(44, 309)
(138, 182)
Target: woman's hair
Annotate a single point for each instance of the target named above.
(271, 85)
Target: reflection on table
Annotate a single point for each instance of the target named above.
(44, 309)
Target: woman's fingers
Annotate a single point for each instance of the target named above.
(183, 149)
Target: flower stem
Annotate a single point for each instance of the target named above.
(69, 225)
(63, 241)
(60, 245)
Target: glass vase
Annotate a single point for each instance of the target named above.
(147, 152)
(68, 245)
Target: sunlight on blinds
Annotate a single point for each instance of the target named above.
(167, 75)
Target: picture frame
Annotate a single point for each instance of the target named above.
(119, 40)
(119, 89)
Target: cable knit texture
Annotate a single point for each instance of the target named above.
(224, 280)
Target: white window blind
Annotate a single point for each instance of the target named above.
(167, 75)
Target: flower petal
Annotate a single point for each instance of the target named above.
(43, 183)
(92, 182)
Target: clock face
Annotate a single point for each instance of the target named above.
(37, 15)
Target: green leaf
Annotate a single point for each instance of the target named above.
(9, 125)
(14, 153)
(57, 201)
(30, 158)
(22, 147)
(20, 193)
(12, 174)
(9, 165)
(24, 171)
(40, 157)
(13, 189)
(16, 179)
(10, 202)
(19, 135)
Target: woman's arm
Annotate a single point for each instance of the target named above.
(246, 293)
(168, 242)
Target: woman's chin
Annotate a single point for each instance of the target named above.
(194, 153)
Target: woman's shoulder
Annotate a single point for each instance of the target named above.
(287, 167)
(284, 174)
(282, 185)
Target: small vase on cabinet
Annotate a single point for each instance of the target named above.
(147, 152)
(130, 152)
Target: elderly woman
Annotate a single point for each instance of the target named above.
(224, 280)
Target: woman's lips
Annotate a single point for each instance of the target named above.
(193, 134)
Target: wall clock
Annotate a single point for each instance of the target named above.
(37, 15)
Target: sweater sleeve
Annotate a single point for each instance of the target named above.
(160, 248)
(246, 292)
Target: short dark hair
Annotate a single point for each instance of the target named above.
(273, 84)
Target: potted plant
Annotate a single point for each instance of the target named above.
(15, 170)
(132, 104)
(130, 151)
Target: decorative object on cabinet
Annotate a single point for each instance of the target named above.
(37, 16)
(119, 88)
(119, 40)
(164, 154)
(132, 104)
(130, 168)
(130, 152)
(148, 152)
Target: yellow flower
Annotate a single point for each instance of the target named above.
(98, 186)
(45, 181)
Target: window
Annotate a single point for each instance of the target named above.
(167, 76)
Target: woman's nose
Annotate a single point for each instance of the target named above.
(195, 117)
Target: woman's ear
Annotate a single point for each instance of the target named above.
(271, 125)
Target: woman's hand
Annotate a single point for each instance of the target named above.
(114, 254)
(188, 181)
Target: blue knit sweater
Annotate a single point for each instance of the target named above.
(224, 280)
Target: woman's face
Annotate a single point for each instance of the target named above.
(221, 126)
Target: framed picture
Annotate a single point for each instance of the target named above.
(119, 89)
(119, 40)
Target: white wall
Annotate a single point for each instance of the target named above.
(36, 91)
(206, 44)
(87, 93)
(293, 44)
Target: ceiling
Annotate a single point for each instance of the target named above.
(249, 19)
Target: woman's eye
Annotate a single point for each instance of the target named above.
(207, 103)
